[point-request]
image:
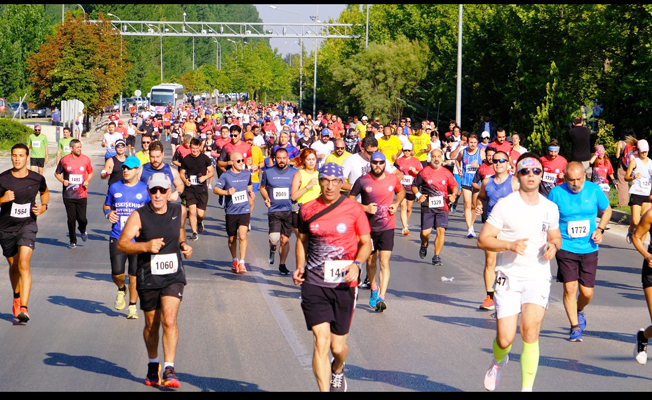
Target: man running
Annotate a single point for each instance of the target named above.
(156, 234)
(577, 260)
(18, 212)
(143, 154)
(124, 197)
(196, 171)
(113, 166)
(235, 185)
(493, 188)
(468, 162)
(38, 146)
(275, 187)
(155, 164)
(435, 188)
(75, 172)
(376, 190)
(63, 147)
(334, 239)
(523, 229)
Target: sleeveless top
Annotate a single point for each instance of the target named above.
(496, 191)
(156, 271)
(641, 186)
(116, 174)
(468, 170)
(314, 191)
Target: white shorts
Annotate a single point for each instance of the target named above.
(510, 295)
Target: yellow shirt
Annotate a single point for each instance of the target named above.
(361, 129)
(335, 159)
(390, 147)
(313, 192)
(419, 142)
(257, 157)
(144, 158)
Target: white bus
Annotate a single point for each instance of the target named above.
(166, 93)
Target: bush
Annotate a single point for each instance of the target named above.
(12, 132)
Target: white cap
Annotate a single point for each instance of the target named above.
(407, 146)
(159, 179)
(365, 118)
(643, 145)
(485, 134)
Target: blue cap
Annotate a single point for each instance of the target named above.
(325, 132)
(331, 169)
(131, 162)
(378, 156)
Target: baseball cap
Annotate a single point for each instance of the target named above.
(119, 141)
(643, 145)
(407, 146)
(485, 134)
(131, 162)
(120, 122)
(325, 132)
(378, 156)
(37, 126)
(248, 135)
(365, 118)
(286, 128)
(159, 179)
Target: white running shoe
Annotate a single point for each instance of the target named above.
(640, 351)
(492, 377)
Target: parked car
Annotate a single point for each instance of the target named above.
(39, 113)
(3, 105)
(14, 109)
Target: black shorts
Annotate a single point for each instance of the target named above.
(119, 260)
(37, 162)
(295, 219)
(335, 306)
(175, 140)
(25, 236)
(577, 267)
(280, 221)
(195, 198)
(409, 196)
(638, 200)
(383, 240)
(234, 221)
(150, 300)
(646, 274)
(433, 220)
(130, 140)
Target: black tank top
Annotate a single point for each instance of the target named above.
(153, 268)
(116, 174)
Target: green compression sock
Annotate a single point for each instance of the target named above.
(500, 354)
(529, 363)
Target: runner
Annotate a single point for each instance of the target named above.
(18, 213)
(113, 166)
(143, 155)
(339, 154)
(639, 173)
(63, 147)
(124, 196)
(376, 190)
(38, 146)
(493, 188)
(577, 260)
(435, 188)
(235, 184)
(410, 167)
(277, 181)
(328, 278)
(523, 228)
(155, 164)
(75, 172)
(196, 170)
(390, 145)
(156, 234)
(421, 146)
(175, 136)
(468, 162)
(486, 169)
(305, 184)
(257, 162)
(130, 140)
(553, 168)
(323, 147)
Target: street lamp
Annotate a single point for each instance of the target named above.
(161, 35)
(113, 15)
(218, 54)
(458, 111)
(301, 60)
(314, 89)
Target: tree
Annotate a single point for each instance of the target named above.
(80, 61)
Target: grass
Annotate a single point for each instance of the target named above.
(613, 202)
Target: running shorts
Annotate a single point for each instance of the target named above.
(511, 294)
(280, 221)
(234, 221)
(25, 236)
(332, 305)
(119, 260)
(150, 299)
(382, 241)
(577, 267)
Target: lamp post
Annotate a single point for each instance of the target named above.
(113, 15)
(218, 54)
(314, 89)
(301, 56)
(161, 35)
(458, 112)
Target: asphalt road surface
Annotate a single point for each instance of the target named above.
(247, 332)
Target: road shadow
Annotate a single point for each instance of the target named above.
(406, 380)
(92, 276)
(85, 305)
(212, 384)
(90, 364)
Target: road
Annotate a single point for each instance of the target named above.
(247, 332)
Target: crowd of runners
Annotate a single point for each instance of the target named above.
(339, 186)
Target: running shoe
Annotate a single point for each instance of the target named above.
(272, 253)
(436, 260)
(628, 238)
(241, 267)
(220, 201)
(16, 306)
(338, 381)
(406, 231)
(492, 377)
(120, 300)
(133, 312)
(169, 378)
(364, 284)
(200, 227)
(72, 245)
(282, 269)
(234, 267)
(194, 236)
(581, 319)
(453, 208)
(153, 374)
(576, 335)
(470, 234)
(640, 351)
(84, 236)
(381, 305)
(423, 251)
(23, 316)
(488, 304)
(373, 298)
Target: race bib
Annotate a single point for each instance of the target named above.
(578, 229)
(123, 221)
(407, 180)
(333, 270)
(66, 149)
(193, 180)
(435, 201)
(20, 210)
(239, 197)
(470, 169)
(645, 183)
(501, 282)
(174, 135)
(549, 177)
(604, 187)
(36, 145)
(164, 264)
(75, 179)
(281, 193)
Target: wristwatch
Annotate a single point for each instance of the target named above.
(601, 229)
(357, 263)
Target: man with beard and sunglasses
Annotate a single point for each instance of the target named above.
(523, 228)
(376, 190)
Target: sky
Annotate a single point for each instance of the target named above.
(289, 13)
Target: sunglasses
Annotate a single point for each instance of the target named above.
(239, 161)
(145, 142)
(500, 160)
(526, 171)
(235, 135)
(378, 162)
(157, 189)
(339, 148)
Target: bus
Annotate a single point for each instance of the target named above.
(166, 93)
